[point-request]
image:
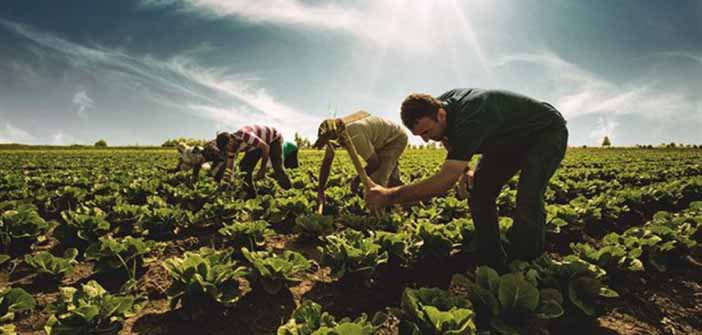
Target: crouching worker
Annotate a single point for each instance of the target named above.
(260, 143)
(378, 141)
(196, 158)
(514, 134)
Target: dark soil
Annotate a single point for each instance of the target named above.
(650, 302)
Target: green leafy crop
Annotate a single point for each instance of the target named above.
(46, 264)
(204, 280)
(273, 271)
(90, 310)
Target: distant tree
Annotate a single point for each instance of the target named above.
(101, 144)
(299, 141)
(172, 143)
(606, 142)
(302, 142)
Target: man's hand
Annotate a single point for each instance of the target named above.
(377, 197)
(470, 179)
(465, 184)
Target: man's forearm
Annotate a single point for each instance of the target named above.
(423, 190)
(326, 166)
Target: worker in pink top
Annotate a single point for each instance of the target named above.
(259, 143)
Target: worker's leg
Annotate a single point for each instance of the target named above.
(395, 179)
(388, 157)
(491, 174)
(247, 165)
(541, 161)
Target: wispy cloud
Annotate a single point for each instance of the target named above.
(61, 138)
(605, 127)
(382, 22)
(580, 92)
(177, 82)
(83, 102)
(270, 11)
(9, 133)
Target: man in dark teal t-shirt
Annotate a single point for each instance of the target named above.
(513, 133)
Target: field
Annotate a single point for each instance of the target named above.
(104, 241)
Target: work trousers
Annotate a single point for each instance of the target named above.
(251, 158)
(536, 163)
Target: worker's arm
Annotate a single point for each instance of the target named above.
(219, 170)
(324, 172)
(379, 197)
(230, 158)
(196, 173)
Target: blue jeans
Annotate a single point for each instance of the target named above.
(537, 162)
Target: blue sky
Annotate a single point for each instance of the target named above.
(143, 71)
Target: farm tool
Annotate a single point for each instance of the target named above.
(336, 129)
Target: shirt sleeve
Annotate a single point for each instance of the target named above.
(249, 138)
(470, 130)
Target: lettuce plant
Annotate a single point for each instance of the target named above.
(313, 226)
(433, 311)
(125, 254)
(438, 239)
(610, 257)
(286, 209)
(82, 227)
(20, 227)
(273, 271)
(8, 329)
(250, 234)
(204, 280)
(504, 302)
(164, 222)
(90, 310)
(350, 252)
(582, 283)
(309, 319)
(48, 265)
(402, 247)
(14, 300)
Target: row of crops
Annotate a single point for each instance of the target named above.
(95, 241)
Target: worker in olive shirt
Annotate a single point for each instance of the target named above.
(378, 141)
(513, 133)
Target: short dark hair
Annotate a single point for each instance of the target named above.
(416, 106)
(222, 141)
(211, 152)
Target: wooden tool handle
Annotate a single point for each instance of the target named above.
(348, 144)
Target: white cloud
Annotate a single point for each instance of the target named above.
(9, 133)
(61, 138)
(83, 102)
(177, 82)
(410, 25)
(580, 92)
(605, 127)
